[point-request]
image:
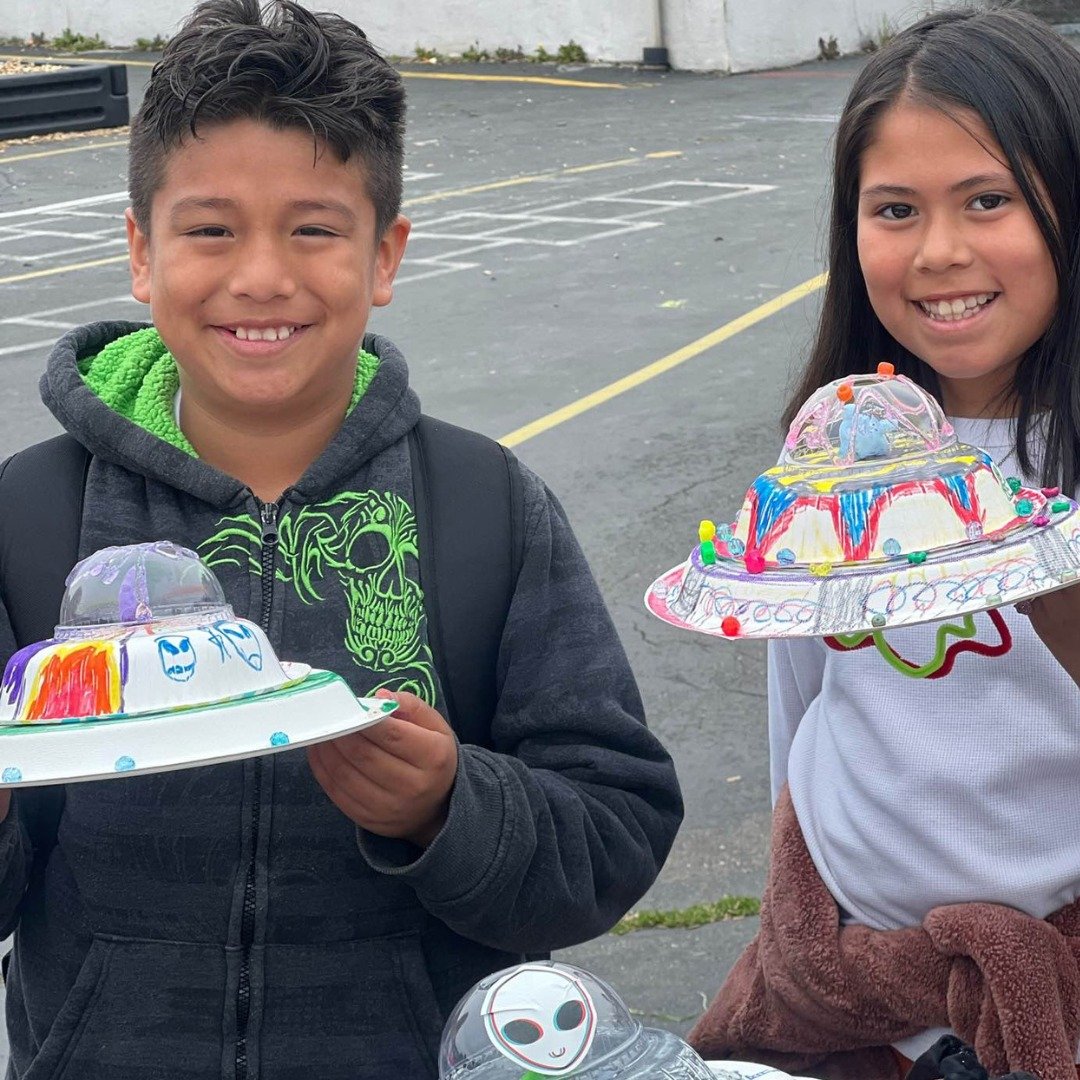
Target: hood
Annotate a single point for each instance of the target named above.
(97, 417)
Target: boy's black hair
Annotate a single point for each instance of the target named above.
(1023, 81)
(283, 66)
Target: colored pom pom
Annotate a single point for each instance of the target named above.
(916, 557)
(1013, 483)
(785, 556)
(706, 530)
(891, 547)
(736, 546)
(1051, 492)
(1059, 506)
(731, 626)
(724, 533)
(755, 562)
(1041, 520)
(708, 553)
(844, 392)
(1024, 507)
(878, 620)
(821, 569)
(886, 369)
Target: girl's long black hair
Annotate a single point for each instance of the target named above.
(1023, 80)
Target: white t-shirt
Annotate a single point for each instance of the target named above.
(913, 793)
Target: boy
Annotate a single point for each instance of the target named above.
(311, 913)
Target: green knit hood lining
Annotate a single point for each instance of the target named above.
(136, 376)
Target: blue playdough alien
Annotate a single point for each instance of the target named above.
(871, 433)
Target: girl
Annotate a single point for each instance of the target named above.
(925, 865)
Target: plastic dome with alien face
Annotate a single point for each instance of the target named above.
(549, 1019)
(138, 584)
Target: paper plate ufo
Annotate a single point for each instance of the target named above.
(875, 517)
(149, 670)
(549, 1019)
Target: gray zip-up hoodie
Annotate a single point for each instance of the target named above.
(229, 921)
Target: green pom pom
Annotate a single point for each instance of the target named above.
(1024, 507)
(708, 553)
(916, 557)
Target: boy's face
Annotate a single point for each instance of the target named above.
(253, 237)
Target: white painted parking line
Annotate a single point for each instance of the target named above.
(91, 200)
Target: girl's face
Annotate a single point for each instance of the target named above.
(954, 263)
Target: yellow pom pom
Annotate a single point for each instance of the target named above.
(706, 531)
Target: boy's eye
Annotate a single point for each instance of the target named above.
(896, 211)
(315, 230)
(989, 201)
(209, 230)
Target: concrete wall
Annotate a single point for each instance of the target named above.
(714, 35)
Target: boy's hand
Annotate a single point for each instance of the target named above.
(394, 778)
(1055, 617)
(5, 803)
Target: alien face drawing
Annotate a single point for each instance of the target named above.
(238, 638)
(541, 1018)
(177, 657)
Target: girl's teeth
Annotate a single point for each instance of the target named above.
(956, 310)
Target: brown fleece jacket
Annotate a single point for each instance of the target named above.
(811, 996)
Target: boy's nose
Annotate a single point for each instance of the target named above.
(261, 272)
(942, 245)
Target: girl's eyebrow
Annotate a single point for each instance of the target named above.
(981, 180)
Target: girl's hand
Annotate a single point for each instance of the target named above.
(1055, 617)
(393, 779)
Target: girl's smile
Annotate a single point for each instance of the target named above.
(955, 266)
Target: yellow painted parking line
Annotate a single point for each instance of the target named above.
(515, 181)
(450, 76)
(666, 363)
(6, 160)
(53, 270)
(79, 60)
(541, 80)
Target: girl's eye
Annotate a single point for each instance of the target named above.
(523, 1032)
(989, 201)
(896, 212)
(570, 1015)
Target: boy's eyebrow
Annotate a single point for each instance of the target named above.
(963, 185)
(195, 202)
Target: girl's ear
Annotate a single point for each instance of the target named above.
(139, 254)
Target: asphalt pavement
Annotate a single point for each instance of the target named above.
(568, 234)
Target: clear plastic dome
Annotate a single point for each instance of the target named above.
(551, 1019)
(866, 417)
(136, 584)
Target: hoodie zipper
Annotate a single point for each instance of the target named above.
(268, 518)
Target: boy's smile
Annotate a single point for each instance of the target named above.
(261, 267)
(955, 266)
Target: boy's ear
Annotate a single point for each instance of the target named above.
(139, 254)
(388, 259)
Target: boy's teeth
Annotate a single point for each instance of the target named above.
(270, 333)
(962, 307)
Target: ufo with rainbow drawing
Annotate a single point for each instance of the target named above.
(875, 517)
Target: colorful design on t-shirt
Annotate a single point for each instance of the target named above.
(365, 545)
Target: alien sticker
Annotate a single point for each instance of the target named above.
(540, 1018)
(177, 658)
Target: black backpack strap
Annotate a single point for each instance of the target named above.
(39, 544)
(42, 489)
(471, 533)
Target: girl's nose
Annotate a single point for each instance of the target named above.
(261, 272)
(942, 245)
